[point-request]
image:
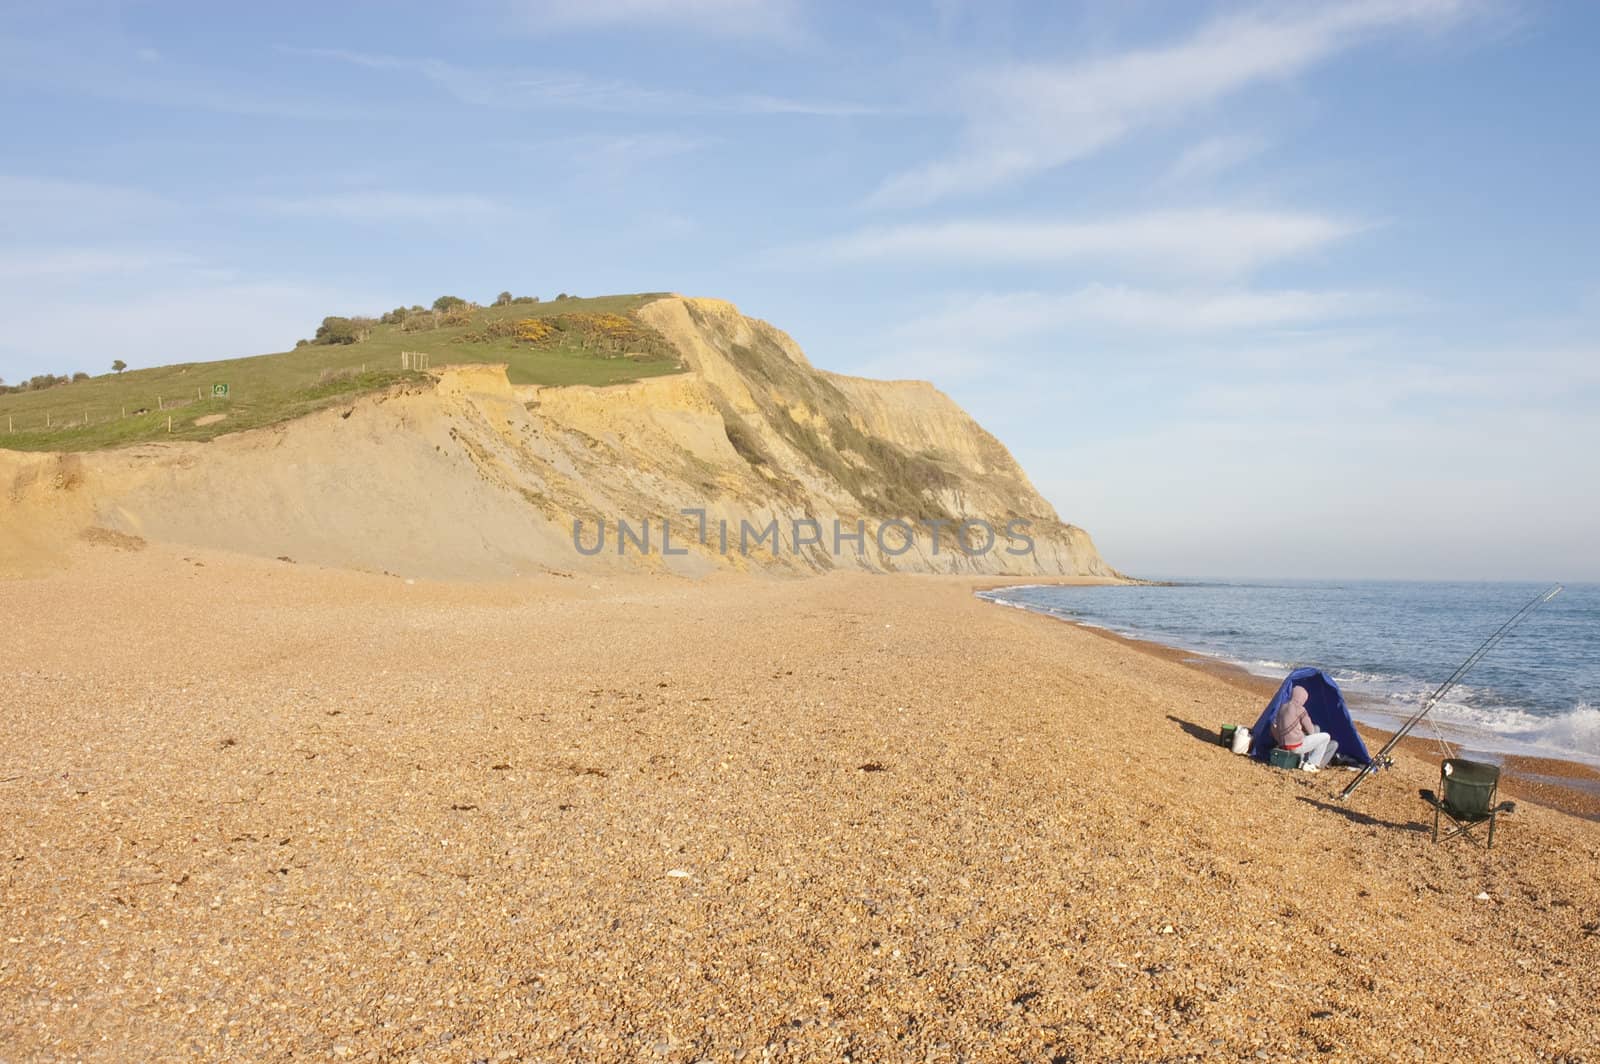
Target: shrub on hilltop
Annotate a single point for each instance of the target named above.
(336, 330)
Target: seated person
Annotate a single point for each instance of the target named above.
(1293, 729)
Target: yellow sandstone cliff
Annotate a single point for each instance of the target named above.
(469, 477)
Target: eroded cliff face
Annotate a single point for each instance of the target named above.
(753, 459)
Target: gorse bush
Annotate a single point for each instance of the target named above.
(532, 330)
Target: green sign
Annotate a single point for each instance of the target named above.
(219, 391)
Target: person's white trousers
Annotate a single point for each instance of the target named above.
(1317, 749)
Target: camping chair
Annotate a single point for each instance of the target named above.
(1469, 792)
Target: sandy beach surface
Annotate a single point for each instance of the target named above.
(254, 810)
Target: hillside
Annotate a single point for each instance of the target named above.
(569, 346)
(461, 472)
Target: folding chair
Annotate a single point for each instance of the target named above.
(1468, 789)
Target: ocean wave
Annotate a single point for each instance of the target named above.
(1356, 676)
(1576, 731)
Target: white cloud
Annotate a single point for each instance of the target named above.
(1207, 241)
(621, 151)
(556, 90)
(1011, 315)
(368, 206)
(27, 198)
(1023, 120)
(91, 64)
(1208, 158)
(75, 263)
(723, 18)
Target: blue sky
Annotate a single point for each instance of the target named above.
(1294, 289)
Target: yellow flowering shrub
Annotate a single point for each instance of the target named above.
(532, 330)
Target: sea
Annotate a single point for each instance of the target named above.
(1388, 644)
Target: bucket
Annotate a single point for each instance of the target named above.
(1241, 740)
(1228, 732)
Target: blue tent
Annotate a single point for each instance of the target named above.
(1326, 706)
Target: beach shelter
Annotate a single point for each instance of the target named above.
(1325, 704)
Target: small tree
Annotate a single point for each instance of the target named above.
(336, 331)
(503, 299)
(448, 303)
(118, 366)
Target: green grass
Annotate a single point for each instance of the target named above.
(267, 389)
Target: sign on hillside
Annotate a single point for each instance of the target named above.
(219, 391)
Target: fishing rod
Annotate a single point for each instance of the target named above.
(1382, 758)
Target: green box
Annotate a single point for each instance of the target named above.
(1227, 734)
(1281, 758)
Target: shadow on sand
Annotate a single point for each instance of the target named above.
(1364, 819)
(1209, 736)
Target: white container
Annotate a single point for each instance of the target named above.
(1241, 740)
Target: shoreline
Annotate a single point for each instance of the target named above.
(1571, 787)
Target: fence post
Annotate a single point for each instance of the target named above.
(169, 422)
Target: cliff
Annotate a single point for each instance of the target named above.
(781, 467)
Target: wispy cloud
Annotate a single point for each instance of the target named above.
(556, 90)
(1011, 315)
(379, 206)
(777, 19)
(23, 195)
(966, 333)
(620, 152)
(1211, 157)
(69, 264)
(105, 69)
(1208, 241)
(1024, 120)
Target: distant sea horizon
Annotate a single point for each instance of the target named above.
(1387, 643)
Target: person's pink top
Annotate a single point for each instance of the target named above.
(1292, 724)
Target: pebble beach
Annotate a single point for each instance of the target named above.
(254, 810)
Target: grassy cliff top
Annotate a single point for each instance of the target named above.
(567, 341)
